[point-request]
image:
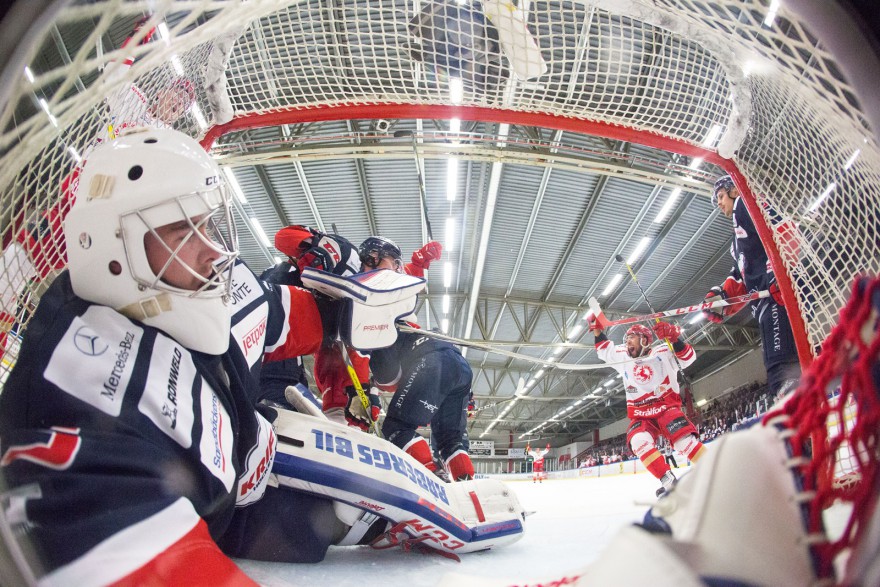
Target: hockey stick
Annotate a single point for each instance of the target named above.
(605, 323)
(489, 348)
(422, 195)
(517, 394)
(362, 395)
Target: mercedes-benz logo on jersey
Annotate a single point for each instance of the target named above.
(89, 343)
(643, 373)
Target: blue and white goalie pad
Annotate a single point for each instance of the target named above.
(324, 458)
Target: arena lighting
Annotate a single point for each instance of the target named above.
(667, 206)
(444, 325)
(852, 160)
(696, 318)
(445, 303)
(260, 232)
(820, 199)
(712, 135)
(702, 402)
(614, 281)
(233, 183)
(539, 373)
(449, 241)
(640, 248)
(451, 179)
(771, 13)
(29, 74)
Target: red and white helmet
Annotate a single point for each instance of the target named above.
(640, 330)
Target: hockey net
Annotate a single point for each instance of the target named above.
(704, 79)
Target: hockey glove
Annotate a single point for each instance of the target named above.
(355, 414)
(668, 331)
(430, 252)
(714, 314)
(472, 407)
(776, 294)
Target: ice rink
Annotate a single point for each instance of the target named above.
(573, 520)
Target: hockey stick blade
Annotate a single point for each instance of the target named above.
(596, 309)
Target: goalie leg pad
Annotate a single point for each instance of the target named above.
(344, 464)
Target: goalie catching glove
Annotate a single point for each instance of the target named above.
(355, 413)
(671, 332)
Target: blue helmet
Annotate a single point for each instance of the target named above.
(722, 183)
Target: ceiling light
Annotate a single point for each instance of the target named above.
(824, 195)
(445, 303)
(233, 183)
(447, 274)
(261, 234)
(450, 233)
(444, 325)
(640, 248)
(451, 179)
(667, 206)
(612, 284)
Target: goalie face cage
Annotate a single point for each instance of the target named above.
(701, 78)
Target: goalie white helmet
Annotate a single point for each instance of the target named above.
(150, 234)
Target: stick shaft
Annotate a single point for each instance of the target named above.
(691, 309)
(423, 196)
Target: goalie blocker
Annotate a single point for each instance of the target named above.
(323, 458)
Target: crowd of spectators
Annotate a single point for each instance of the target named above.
(732, 410)
(723, 414)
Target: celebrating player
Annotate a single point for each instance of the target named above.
(752, 272)
(430, 379)
(130, 406)
(538, 473)
(653, 403)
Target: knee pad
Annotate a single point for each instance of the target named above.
(641, 442)
(687, 445)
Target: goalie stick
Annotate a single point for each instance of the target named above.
(605, 323)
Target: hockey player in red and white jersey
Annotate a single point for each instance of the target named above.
(653, 403)
(538, 454)
(129, 435)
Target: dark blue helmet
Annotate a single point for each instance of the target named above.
(724, 183)
(376, 248)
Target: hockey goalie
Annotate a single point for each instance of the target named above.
(132, 448)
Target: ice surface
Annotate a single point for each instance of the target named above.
(573, 520)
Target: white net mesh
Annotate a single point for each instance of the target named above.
(676, 70)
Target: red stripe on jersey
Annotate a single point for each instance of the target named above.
(686, 353)
(56, 453)
(193, 560)
(603, 344)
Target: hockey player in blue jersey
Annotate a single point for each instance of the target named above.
(431, 383)
(128, 430)
(752, 272)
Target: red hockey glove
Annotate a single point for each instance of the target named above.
(668, 331)
(548, 446)
(714, 314)
(472, 408)
(356, 415)
(776, 294)
(430, 252)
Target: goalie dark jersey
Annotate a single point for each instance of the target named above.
(113, 433)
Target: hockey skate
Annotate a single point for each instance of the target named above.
(667, 481)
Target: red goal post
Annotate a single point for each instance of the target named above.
(661, 73)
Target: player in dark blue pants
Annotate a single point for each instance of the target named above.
(752, 272)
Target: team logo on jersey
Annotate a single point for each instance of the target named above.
(430, 407)
(643, 373)
(112, 342)
(88, 343)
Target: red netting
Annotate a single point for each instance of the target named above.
(835, 412)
